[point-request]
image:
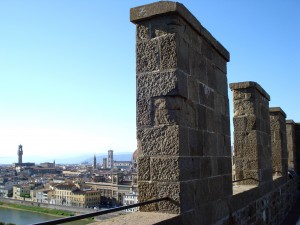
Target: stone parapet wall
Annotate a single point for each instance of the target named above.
(183, 129)
(256, 207)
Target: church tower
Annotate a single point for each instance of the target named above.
(20, 153)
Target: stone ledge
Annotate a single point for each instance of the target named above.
(249, 84)
(277, 110)
(137, 218)
(290, 122)
(167, 7)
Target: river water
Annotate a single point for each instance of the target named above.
(20, 217)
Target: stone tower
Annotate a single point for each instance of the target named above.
(95, 162)
(104, 163)
(110, 159)
(20, 153)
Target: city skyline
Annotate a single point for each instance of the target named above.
(67, 69)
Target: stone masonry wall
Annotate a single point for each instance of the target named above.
(279, 142)
(183, 129)
(252, 142)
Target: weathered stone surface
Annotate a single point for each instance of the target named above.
(162, 140)
(252, 140)
(143, 112)
(168, 55)
(183, 127)
(291, 146)
(165, 169)
(146, 12)
(173, 191)
(174, 110)
(147, 191)
(159, 84)
(147, 56)
(250, 85)
(143, 164)
(279, 141)
(142, 31)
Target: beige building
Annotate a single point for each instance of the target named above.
(71, 195)
(21, 191)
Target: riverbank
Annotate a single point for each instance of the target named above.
(53, 212)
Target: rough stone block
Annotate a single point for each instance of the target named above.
(143, 112)
(160, 84)
(162, 140)
(174, 110)
(147, 191)
(168, 55)
(173, 191)
(147, 56)
(165, 169)
(143, 164)
(246, 123)
(242, 108)
(142, 31)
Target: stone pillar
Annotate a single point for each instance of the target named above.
(252, 140)
(291, 145)
(183, 129)
(279, 142)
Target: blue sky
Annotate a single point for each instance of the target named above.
(67, 68)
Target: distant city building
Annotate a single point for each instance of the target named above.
(48, 164)
(110, 159)
(104, 163)
(20, 153)
(129, 199)
(20, 161)
(95, 163)
(123, 165)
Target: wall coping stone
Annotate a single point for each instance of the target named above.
(144, 12)
(277, 110)
(290, 122)
(249, 84)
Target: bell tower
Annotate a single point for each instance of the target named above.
(20, 153)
